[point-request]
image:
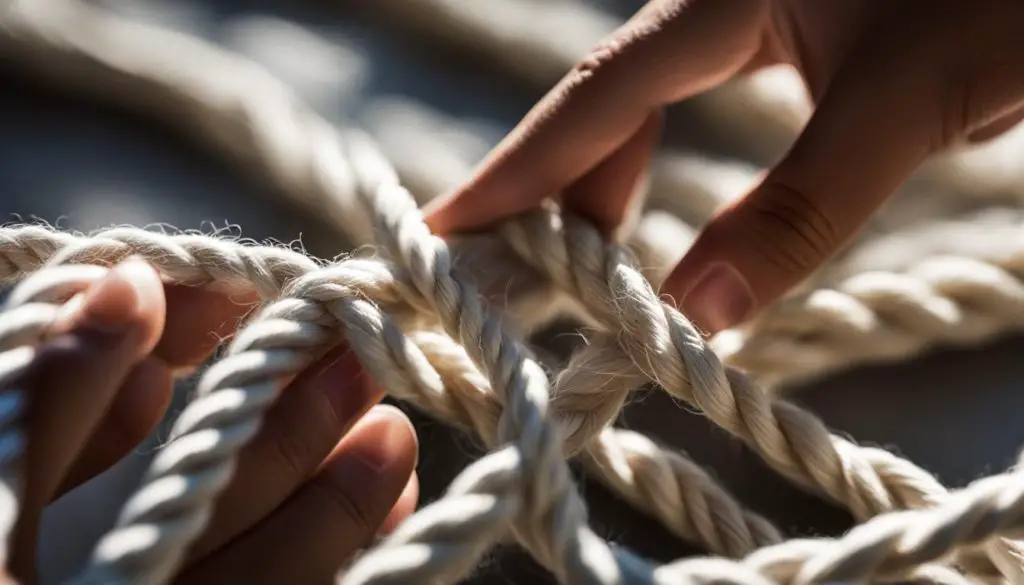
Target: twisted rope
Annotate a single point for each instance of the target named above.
(877, 316)
(444, 540)
(791, 342)
(465, 397)
(667, 349)
(524, 484)
(194, 259)
(172, 506)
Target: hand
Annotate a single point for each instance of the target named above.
(327, 472)
(893, 82)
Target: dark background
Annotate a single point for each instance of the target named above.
(85, 165)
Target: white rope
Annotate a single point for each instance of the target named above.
(420, 327)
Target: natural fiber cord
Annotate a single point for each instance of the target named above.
(417, 322)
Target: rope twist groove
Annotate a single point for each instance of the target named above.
(422, 327)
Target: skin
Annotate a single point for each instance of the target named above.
(892, 82)
(329, 471)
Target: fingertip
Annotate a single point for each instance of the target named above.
(434, 214)
(757, 248)
(371, 467)
(708, 285)
(150, 302)
(381, 450)
(388, 439)
(715, 299)
(472, 207)
(127, 301)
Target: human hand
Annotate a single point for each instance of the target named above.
(893, 82)
(327, 472)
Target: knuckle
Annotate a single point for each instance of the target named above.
(358, 514)
(790, 230)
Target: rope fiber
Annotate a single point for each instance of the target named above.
(419, 315)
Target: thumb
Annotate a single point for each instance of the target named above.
(869, 132)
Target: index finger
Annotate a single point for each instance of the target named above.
(669, 50)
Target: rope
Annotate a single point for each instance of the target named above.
(421, 328)
(509, 486)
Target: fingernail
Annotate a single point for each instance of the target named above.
(145, 283)
(720, 299)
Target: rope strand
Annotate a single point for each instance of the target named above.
(417, 322)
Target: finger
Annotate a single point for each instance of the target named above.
(199, 320)
(877, 121)
(311, 416)
(142, 400)
(340, 510)
(403, 508)
(145, 395)
(873, 127)
(73, 381)
(137, 409)
(604, 195)
(998, 127)
(669, 50)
